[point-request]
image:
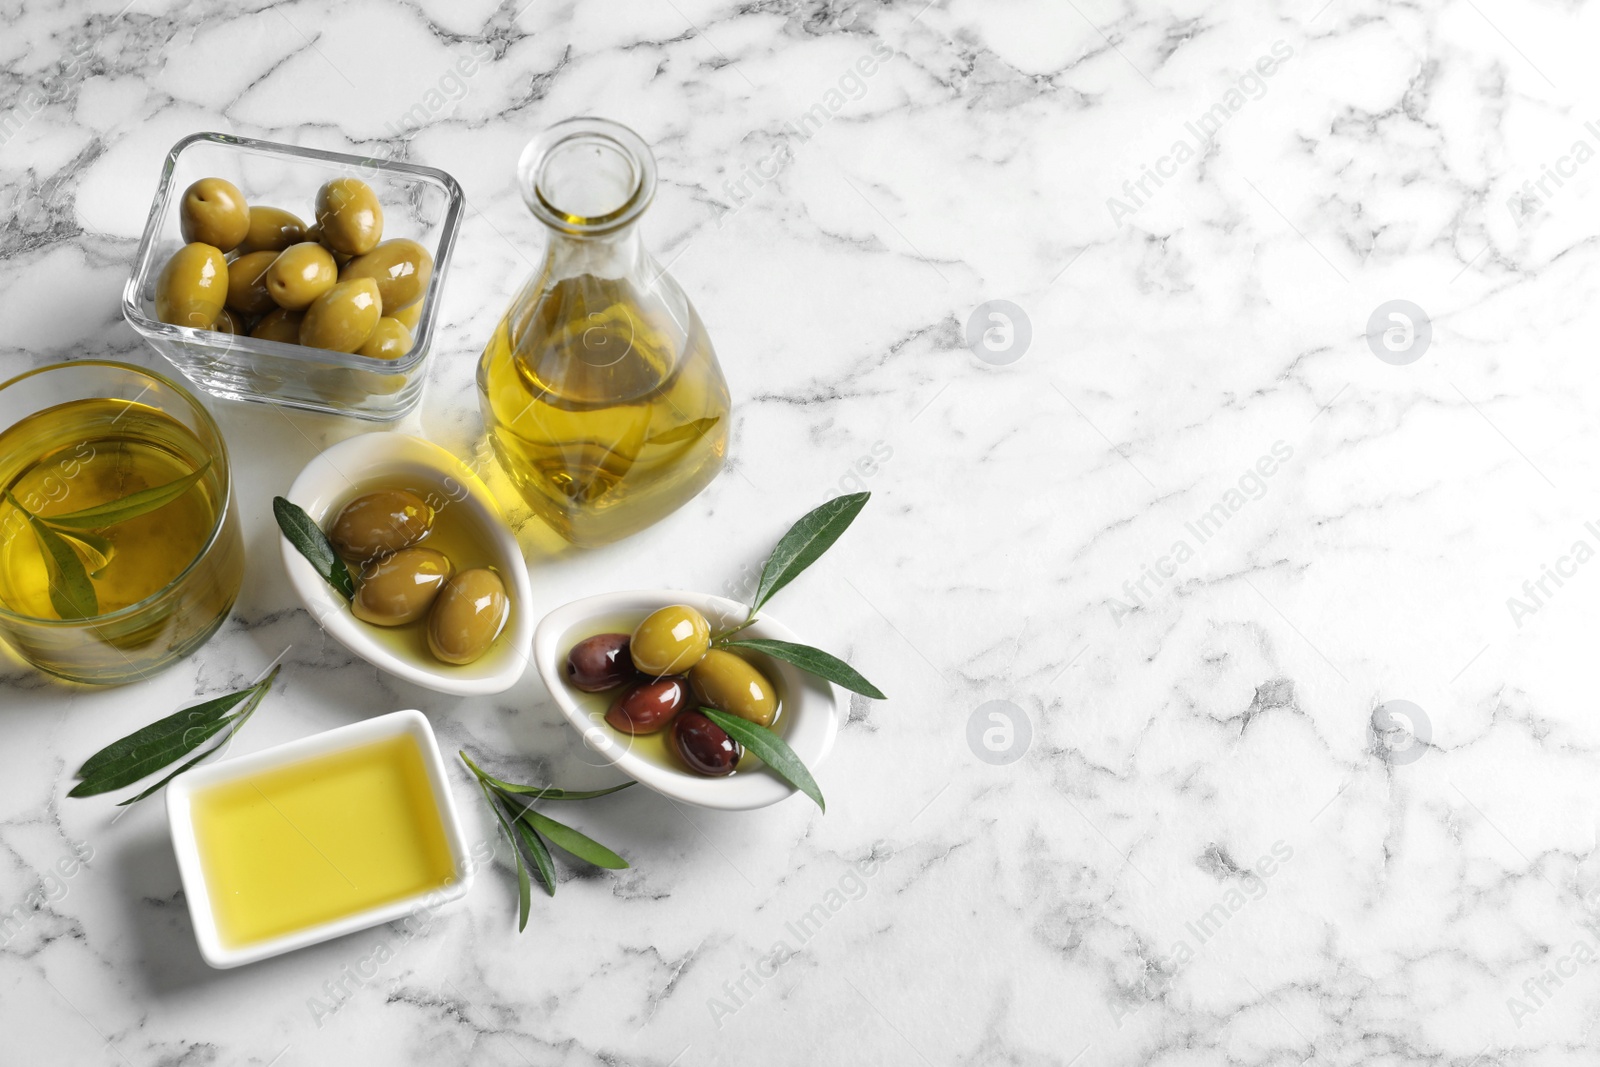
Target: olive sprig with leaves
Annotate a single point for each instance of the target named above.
(531, 833)
(798, 549)
(165, 741)
(74, 553)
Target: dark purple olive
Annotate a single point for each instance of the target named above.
(703, 746)
(601, 662)
(647, 707)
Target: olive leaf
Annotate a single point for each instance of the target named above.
(152, 747)
(527, 830)
(541, 792)
(71, 592)
(309, 540)
(523, 901)
(812, 661)
(567, 839)
(541, 857)
(773, 750)
(129, 507)
(688, 431)
(807, 539)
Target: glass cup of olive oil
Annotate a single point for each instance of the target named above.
(120, 550)
(604, 399)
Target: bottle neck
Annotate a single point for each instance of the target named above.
(613, 255)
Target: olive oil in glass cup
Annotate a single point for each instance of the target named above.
(153, 568)
(603, 397)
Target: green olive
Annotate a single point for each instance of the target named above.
(214, 212)
(247, 283)
(280, 325)
(349, 216)
(380, 522)
(402, 587)
(670, 641)
(230, 321)
(192, 287)
(409, 317)
(272, 229)
(301, 273)
(342, 318)
(469, 615)
(401, 268)
(724, 681)
(390, 340)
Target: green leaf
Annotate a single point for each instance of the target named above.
(773, 750)
(540, 792)
(569, 840)
(541, 856)
(153, 747)
(133, 748)
(309, 540)
(807, 539)
(218, 747)
(71, 591)
(524, 903)
(94, 550)
(812, 661)
(131, 506)
(149, 760)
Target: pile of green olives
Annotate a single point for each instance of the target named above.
(666, 669)
(335, 284)
(403, 581)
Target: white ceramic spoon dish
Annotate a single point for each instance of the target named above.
(377, 459)
(808, 722)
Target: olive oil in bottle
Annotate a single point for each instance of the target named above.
(88, 453)
(602, 394)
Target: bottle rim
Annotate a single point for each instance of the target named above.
(563, 151)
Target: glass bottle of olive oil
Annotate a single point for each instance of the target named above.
(602, 394)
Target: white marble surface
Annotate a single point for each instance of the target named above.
(1053, 909)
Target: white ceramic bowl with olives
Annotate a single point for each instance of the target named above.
(807, 708)
(464, 523)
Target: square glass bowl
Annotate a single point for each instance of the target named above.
(421, 203)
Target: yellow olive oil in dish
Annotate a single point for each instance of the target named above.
(656, 747)
(88, 453)
(308, 843)
(605, 413)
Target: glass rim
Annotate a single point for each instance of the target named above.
(538, 151)
(144, 258)
(170, 587)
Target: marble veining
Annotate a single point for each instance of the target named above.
(1156, 544)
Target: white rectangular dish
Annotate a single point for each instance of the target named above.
(187, 840)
